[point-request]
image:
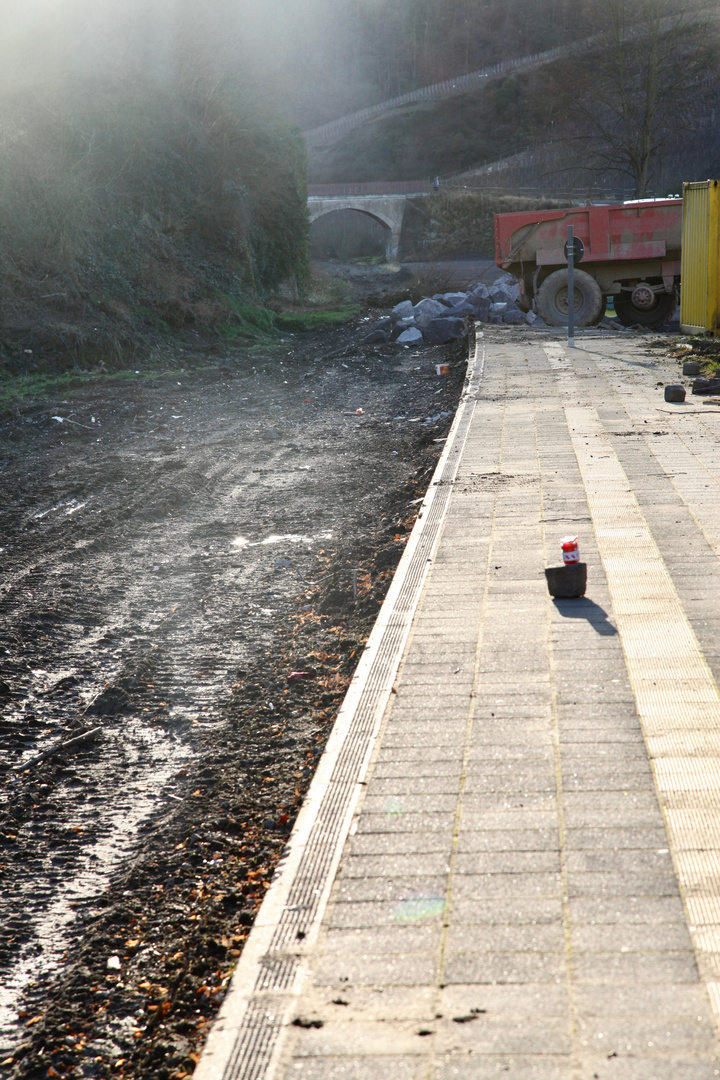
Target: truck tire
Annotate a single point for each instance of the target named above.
(552, 299)
(663, 311)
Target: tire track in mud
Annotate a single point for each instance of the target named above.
(140, 573)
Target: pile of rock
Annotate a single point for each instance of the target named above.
(444, 317)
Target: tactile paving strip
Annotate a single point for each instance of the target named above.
(245, 1042)
(676, 696)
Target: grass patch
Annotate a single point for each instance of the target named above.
(305, 321)
(248, 323)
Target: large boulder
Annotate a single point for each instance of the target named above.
(376, 337)
(400, 327)
(514, 317)
(411, 336)
(506, 288)
(463, 309)
(442, 330)
(481, 307)
(427, 310)
(454, 298)
(403, 309)
(479, 290)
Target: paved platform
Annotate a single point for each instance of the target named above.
(509, 862)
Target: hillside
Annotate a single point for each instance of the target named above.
(130, 215)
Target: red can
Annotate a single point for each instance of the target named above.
(570, 549)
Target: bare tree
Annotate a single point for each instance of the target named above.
(646, 71)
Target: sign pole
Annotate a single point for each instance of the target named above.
(571, 286)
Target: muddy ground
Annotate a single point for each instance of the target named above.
(191, 562)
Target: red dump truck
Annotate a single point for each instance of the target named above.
(631, 252)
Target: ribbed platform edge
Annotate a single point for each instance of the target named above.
(245, 1042)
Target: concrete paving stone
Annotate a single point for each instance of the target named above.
(356, 1067)
(522, 937)
(511, 779)
(448, 682)
(539, 753)
(588, 693)
(525, 727)
(413, 910)
(530, 661)
(527, 1000)
(369, 824)
(610, 800)
(379, 889)
(600, 755)
(452, 631)
(372, 1038)
(406, 804)
(405, 843)
(372, 1003)
(440, 695)
(418, 767)
(488, 1035)
(613, 967)
(623, 1067)
(592, 733)
(509, 886)
(579, 817)
(505, 967)
(511, 862)
(503, 1067)
(509, 700)
(414, 969)
(395, 865)
(644, 910)
(635, 861)
(478, 835)
(474, 825)
(689, 1002)
(625, 883)
(509, 800)
(629, 937)
(411, 756)
(444, 713)
(613, 839)
(456, 677)
(505, 912)
(432, 736)
(442, 784)
(381, 941)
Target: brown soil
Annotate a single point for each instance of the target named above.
(173, 552)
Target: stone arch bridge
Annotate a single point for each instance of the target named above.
(383, 201)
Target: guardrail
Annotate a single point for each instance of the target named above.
(375, 187)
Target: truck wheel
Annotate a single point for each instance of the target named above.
(662, 312)
(552, 299)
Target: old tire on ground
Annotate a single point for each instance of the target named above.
(663, 311)
(552, 299)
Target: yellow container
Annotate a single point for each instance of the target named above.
(700, 268)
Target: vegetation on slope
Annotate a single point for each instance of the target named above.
(129, 210)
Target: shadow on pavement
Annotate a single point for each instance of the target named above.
(582, 608)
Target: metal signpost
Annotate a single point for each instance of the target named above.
(574, 251)
(571, 286)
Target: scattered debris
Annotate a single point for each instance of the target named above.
(57, 748)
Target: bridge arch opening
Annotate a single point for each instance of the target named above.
(349, 233)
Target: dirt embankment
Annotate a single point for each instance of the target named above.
(191, 562)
